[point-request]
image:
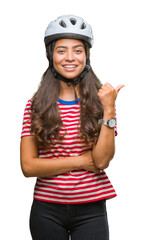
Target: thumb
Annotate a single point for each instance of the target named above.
(119, 87)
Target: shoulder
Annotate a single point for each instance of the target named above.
(28, 104)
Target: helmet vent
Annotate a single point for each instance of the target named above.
(62, 24)
(83, 26)
(73, 21)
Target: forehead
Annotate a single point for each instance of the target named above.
(66, 42)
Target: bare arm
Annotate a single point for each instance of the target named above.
(104, 150)
(33, 166)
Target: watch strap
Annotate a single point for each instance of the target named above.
(102, 121)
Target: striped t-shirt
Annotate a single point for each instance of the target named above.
(79, 186)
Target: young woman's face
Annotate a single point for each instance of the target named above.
(69, 57)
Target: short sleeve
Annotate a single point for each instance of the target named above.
(26, 126)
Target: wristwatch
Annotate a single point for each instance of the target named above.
(109, 123)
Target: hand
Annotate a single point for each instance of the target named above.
(88, 163)
(108, 94)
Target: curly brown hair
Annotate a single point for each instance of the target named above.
(45, 118)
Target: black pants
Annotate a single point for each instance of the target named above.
(52, 221)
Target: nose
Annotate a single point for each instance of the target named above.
(70, 56)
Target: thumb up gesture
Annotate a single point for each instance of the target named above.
(108, 95)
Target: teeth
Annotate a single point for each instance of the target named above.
(70, 66)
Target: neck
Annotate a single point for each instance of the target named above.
(67, 92)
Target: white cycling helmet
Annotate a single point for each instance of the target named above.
(69, 26)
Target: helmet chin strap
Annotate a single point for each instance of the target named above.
(71, 81)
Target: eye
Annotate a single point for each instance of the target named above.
(60, 51)
(78, 50)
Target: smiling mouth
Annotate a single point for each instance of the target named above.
(70, 66)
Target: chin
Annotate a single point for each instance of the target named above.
(70, 77)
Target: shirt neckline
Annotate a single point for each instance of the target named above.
(68, 102)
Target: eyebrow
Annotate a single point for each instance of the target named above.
(73, 46)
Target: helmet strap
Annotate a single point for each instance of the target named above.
(69, 82)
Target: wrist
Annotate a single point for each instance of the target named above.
(78, 162)
(109, 113)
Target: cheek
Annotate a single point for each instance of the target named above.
(57, 58)
(83, 61)
(56, 61)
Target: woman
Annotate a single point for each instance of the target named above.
(68, 139)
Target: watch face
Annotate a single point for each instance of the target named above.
(112, 122)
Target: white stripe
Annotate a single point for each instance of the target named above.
(69, 131)
(25, 134)
(52, 156)
(59, 147)
(69, 119)
(79, 184)
(67, 149)
(72, 143)
(74, 126)
(27, 115)
(69, 108)
(73, 107)
(26, 129)
(71, 113)
(57, 155)
(26, 124)
(75, 191)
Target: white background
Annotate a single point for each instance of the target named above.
(118, 56)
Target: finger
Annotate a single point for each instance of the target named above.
(119, 87)
(100, 91)
(109, 85)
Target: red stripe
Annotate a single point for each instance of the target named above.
(82, 201)
(70, 107)
(71, 124)
(26, 128)
(27, 114)
(26, 132)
